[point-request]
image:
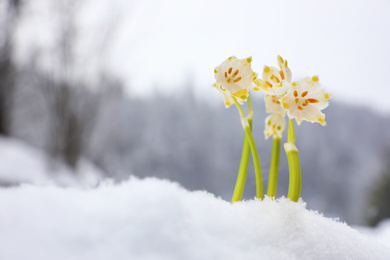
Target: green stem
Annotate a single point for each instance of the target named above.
(255, 155)
(249, 105)
(242, 172)
(291, 131)
(274, 168)
(294, 187)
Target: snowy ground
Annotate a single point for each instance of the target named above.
(157, 219)
(381, 233)
(21, 163)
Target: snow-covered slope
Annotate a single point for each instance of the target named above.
(381, 232)
(157, 219)
(21, 163)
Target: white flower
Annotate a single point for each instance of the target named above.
(273, 105)
(274, 81)
(235, 76)
(305, 99)
(227, 98)
(285, 70)
(274, 125)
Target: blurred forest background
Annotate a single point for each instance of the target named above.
(345, 165)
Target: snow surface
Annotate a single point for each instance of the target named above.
(21, 163)
(381, 232)
(157, 219)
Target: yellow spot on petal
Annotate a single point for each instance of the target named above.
(285, 105)
(312, 100)
(274, 78)
(267, 69)
(231, 57)
(242, 93)
(321, 120)
(249, 59)
(281, 74)
(296, 100)
(327, 95)
(228, 80)
(237, 79)
(256, 89)
(215, 71)
(225, 74)
(293, 84)
(300, 108)
(268, 84)
(315, 78)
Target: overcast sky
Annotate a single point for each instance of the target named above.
(163, 44)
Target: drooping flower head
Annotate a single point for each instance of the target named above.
(274, 125)
(235, 76)
(305, 99)
(274, 81)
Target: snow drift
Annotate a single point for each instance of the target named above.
(157, 219)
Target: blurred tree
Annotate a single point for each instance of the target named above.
(10, 10)
(66, 124)
(74, 108)
(68, 105)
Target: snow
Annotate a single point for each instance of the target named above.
(21, 163)
(381, 232)
(158, 219)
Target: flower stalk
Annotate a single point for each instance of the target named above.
(274, 168)
(242, 172)
(294, 188)
(255, 155)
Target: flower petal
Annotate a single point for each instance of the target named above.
(285, 69)
(275, 125)
(273, 105)
(274, 81)
(236, 76)
(271, 89)
(227, 97)
(305, 100)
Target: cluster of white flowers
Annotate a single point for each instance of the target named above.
(303, 99)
